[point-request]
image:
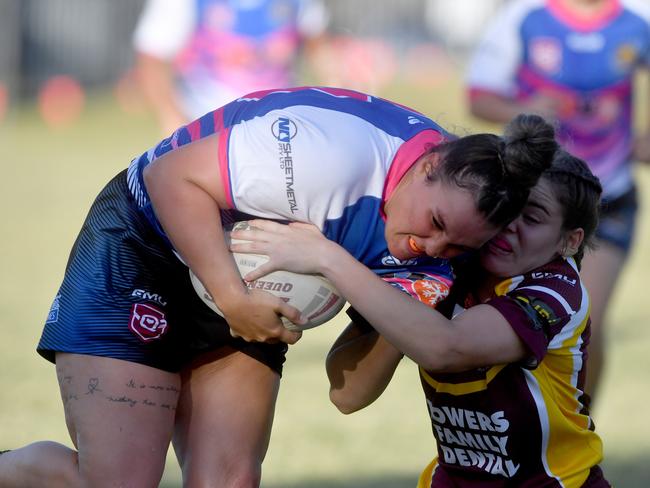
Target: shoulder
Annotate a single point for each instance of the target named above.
(545, 303)
(547, 298)
(556, 283)
(640, 8)
(515, 13)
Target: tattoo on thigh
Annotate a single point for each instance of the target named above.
(140, 396)
(93, 384)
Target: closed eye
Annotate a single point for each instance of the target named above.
(436, 223)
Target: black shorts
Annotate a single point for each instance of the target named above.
(125, 295)
(618, 220)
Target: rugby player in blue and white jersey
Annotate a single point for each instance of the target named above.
(140, 359)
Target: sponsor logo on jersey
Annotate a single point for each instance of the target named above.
(546, 54)
(147, 322)
(542, 275)
(586, 42)
(393, 261)
(53, 314)
(147, 295)
(414, 120)
(284, 130)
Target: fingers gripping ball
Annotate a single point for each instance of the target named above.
(316, 298)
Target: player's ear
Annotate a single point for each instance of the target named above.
(572, 241)
(429, 165)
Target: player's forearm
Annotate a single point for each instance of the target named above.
(494, 108)
(359, 367)
(642, 147)
(157, 85)
(415, 329)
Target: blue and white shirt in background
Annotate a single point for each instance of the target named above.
(539, 47)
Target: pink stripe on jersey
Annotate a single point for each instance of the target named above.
(541, 83)
(263, 93)
(336, 92)
(223, 134)
(406, 156)
(217, 116)
(342, 92)
(224, 137)
(194, 128)
(585, 22)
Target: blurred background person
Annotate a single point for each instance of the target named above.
(458, 24)
(575, 61)
(195, 55)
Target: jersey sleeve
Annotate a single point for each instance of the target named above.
(494, 63)
(430, 288)
(546, 310)
(164, 27)
(641, 8)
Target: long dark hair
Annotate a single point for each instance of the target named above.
(578, 191)
(499, 171)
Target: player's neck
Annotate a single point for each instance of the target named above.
(586, 8)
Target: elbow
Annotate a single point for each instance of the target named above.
(448, 357)
(344, 403)
(476, 111)
(437, 364)
(479, 110)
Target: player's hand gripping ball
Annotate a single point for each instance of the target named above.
(316, 298)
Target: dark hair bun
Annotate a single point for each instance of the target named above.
(529, 146)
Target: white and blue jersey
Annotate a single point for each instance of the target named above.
(329, 157)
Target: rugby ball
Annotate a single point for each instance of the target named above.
(315, 296)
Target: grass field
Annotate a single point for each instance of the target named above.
(49, 179)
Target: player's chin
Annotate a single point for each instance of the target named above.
(398, 251)
(496, 265)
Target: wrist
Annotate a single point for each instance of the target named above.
(330, 259)
(230, 297)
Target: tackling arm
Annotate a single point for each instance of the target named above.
(478, 337)
(359, 366)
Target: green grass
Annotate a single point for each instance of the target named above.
(49, 178)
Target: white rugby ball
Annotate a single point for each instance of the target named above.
(314, 295)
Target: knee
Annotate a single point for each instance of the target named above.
(63, 464)
(43, 460)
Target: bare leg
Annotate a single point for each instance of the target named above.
(224, 420)
(600, 272)
(29, 466)
(120, 416)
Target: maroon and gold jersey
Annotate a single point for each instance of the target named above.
(524, 424)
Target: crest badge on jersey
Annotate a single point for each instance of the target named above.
(546, 54)
(626, 56)
(147, 322)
